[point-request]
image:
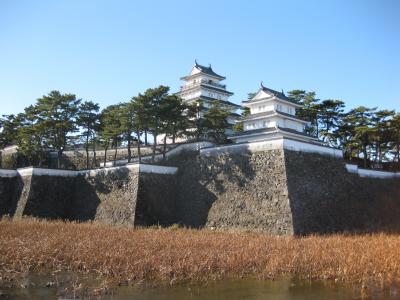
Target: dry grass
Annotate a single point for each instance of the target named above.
(174, 255)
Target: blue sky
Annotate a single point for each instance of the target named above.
(108, 51)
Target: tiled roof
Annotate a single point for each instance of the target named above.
(262, 114)
(220, 101)
(272, 129)
(279, 95)
(216, 89)
(296, 132)
(269, 113)
(259, 130)
(234, 115)
(208, 70)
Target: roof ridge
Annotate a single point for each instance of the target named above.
(207, 70)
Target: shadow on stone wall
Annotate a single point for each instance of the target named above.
(84, 202)
(109, 197)
(10, 192)
(204, 180)
(45, 197)
(325, 198)
(156, 204)
(116, 196)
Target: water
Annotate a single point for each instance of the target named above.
(69, 286)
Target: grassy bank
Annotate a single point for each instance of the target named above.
(174, 255)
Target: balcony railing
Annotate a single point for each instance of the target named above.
(209, 82)
(203, 81)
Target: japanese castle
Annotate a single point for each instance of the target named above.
(272, 115)
(203, 85)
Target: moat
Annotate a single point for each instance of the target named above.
(69, 286)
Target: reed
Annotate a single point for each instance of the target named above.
(176, 254)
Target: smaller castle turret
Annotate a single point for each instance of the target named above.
(272, 115)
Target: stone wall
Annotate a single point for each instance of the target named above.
(111, 195)
(107, 196)
(157, 194)
(278, 191)
(325, 197)
(246, 190)
(44, 196)
(282, 192)
(10, 190)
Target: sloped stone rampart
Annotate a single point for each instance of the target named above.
(9, 194)
(111, 195)
(106, 196)
(280, 191)
(247, 191)
(157, 194)
(325, 197)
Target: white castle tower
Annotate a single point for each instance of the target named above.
(272, 115)
(203, 84)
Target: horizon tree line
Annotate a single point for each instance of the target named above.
(57, 121)
(362, 133)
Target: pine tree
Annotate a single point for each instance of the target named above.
(381, 133)
(238, 127)
(216, 123)
(329, 114)
(88, 120)
(394, 129)
(361, 118)
(173, 119)
(154, 99)
(57, 113)
(110, 131)
(309, 110)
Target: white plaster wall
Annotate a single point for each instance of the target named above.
(256, 124)
(29, 171)
(243, 148)
(254, 144)
(293, 125)
(311, 148)
(69, 173)
(139, 167)
(371, 173)
(262, 107)
(8, 173)
(256, 138)
(352, 168)
(191, 95)
(214, 94)
(157, 169)
(273, 122)
(194, 70)
(280, 122)
(271, 104)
